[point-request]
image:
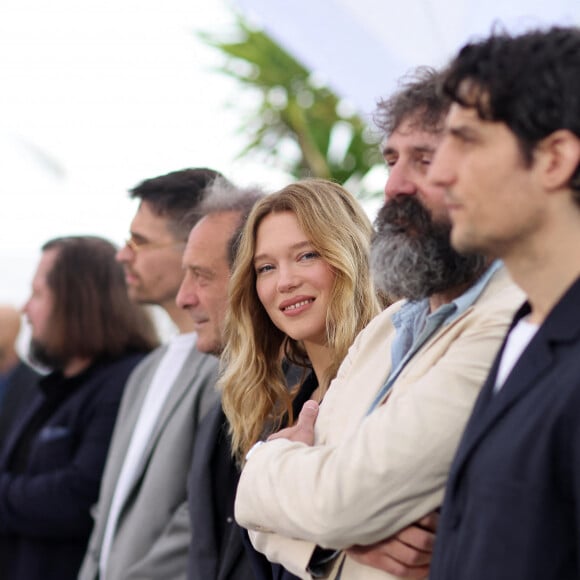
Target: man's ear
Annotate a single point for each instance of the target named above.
(557, 157)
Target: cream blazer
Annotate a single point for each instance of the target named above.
(367, 477)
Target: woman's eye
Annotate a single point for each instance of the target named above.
(263, 269)
(309, 255)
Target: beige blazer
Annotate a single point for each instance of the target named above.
(368, 477)
(153, 532)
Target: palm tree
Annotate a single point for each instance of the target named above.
(297, 124)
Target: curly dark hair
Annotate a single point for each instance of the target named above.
(418, 99)
(530, 82)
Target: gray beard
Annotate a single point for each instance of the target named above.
(411, 255)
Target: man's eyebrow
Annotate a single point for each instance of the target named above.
(414, 149)
(423, 149)
(461, 131)
(199, 270)
(138, 237)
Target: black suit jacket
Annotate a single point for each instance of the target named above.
(216, 551)
(44, 510)
(20, 391)
(512, 504)
(220, 549)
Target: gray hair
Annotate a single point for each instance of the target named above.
(418, 98)
(222, 196)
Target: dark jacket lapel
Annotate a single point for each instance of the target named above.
(561, 325)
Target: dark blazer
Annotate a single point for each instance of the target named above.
(512, 504)
(216, 551)
(220, 549)
(44, 511)
(20, 391)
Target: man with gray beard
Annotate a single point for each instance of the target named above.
(322, 496)
(411, 254)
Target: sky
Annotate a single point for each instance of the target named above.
(97, 96)
(362, 47)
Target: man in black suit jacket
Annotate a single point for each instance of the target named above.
(87, 332)
(18, 381)
(216, 551)
(510, 161)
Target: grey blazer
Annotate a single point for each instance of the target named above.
(153, 533)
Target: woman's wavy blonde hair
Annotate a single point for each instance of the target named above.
(254, 392)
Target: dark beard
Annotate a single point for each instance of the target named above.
(412, 256)
(40, 354)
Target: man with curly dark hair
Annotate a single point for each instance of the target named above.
(90, 336)
(510, 163)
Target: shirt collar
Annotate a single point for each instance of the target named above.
(463, 302)
(413, 311)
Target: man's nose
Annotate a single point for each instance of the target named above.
(187, 294)
(124, 254)
(399, 182)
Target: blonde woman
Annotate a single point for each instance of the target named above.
(301, 287)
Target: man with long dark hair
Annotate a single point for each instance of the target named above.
(87, 332)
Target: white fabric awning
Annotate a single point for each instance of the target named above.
(361, 47)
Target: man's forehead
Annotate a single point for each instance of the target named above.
(208, 241)
(412, 136)
(460, 116)
(217, 227)
(47, 260)
(147, 221)
(43, 268)
(419, 121)
(466, 123)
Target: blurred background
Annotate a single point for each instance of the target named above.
(99, 95)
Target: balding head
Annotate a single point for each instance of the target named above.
(9, 329)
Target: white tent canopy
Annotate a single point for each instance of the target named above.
(361, 47)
